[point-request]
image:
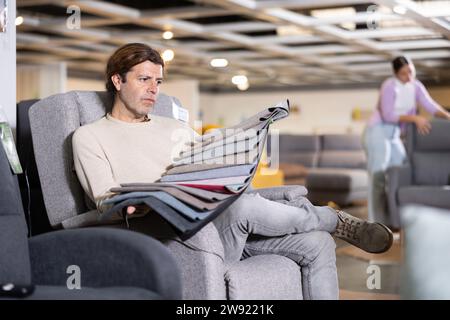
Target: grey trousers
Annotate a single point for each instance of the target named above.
(296, 229)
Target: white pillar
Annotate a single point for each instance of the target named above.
(8, 66)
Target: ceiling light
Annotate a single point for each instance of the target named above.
(336, 12)
(167, 35)
(399, 9)
(243, 86)
(19, 20)
(291, 30)
(219, 63)
(239, 80)
(168, 55)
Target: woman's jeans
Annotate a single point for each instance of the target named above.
(296, 229)
(384, 149)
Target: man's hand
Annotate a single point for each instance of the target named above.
(423, 125)
(137, 209)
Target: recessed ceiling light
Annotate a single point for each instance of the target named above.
(239, 80)
(167, 35)
(19, 20)
(219, 63)
(243, 86)
(168, 55)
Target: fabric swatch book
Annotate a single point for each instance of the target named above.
(207, 176)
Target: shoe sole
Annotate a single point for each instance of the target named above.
(391, 239)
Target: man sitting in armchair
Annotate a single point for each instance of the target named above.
(128, 145)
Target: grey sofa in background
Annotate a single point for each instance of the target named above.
(201, 259)
(335, 166)
(425, 179)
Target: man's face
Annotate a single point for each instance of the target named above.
(140, 90)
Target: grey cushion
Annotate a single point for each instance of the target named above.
(336, 179)
(431, 168)
(426, 260)
(341, 142)
(290, 142)
(307, 159)
(342, 159)
(435, 196)
(248, 280)
(300, 149)
(434, 141)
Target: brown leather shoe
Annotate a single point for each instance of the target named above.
(372, 237)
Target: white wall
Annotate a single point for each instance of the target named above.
(40, 81)
(320, 110)
(187, 91)
(84, 84)
(8, 66)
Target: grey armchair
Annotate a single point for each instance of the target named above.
(114, 264)
(53, 121)
(425, 179)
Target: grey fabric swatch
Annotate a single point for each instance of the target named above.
(227, 171)
(222, 150)
(196, 167)
(201, 193)
(217, 182)
(183, 196)
(232, 136)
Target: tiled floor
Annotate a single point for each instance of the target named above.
(357, 269)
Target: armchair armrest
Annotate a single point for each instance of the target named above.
(396, 177)
(202, 261)
(281, 192)
(106, 257)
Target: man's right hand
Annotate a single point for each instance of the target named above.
(423, 125)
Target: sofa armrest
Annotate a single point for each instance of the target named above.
(281, 192)
(105, 257)
(396, 177)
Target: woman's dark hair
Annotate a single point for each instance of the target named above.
(399, 62)
(125, 58)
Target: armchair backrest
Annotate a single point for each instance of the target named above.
(53, 121)
(430, 154)
(14, 254)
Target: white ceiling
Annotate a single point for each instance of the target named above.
(276, 44)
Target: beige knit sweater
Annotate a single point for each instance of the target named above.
(109, 152)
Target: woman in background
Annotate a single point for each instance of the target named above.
(399, 98)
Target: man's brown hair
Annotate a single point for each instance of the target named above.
(125, 58)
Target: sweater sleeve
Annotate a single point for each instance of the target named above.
(424, 98)
(92, 167)
(387, 102)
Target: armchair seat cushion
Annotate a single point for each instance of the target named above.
(248, 279)
(337, 179)
(434, 196)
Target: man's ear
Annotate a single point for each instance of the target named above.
(116, 80)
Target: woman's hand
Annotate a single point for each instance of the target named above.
(422, 124)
